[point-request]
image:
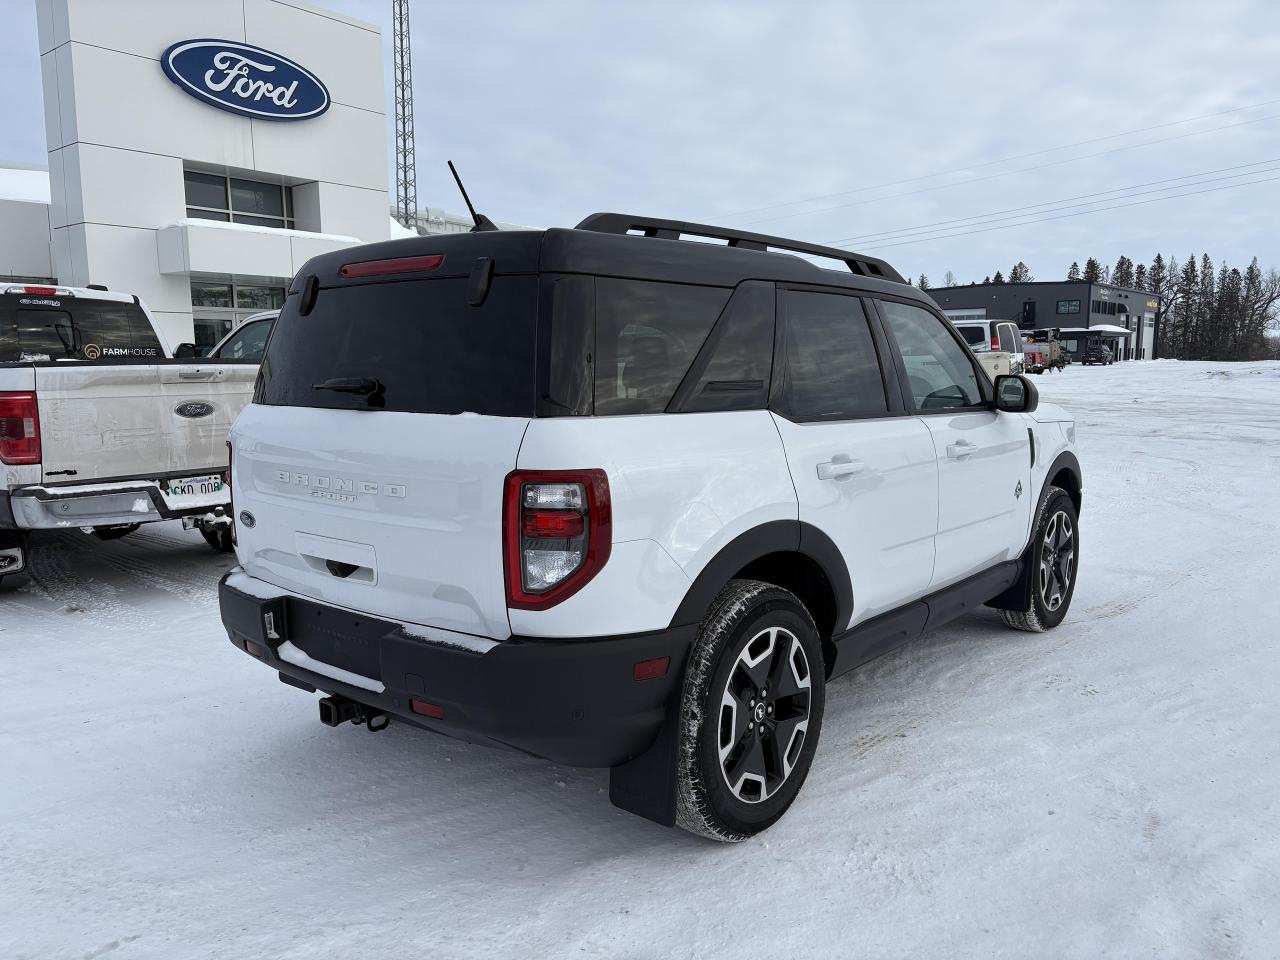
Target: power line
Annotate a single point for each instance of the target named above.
(1064, 216)
(895, 234)
(991, 163)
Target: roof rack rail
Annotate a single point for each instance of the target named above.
(624, 223)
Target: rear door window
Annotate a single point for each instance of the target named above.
(647, 335)
(414, 346)
(732, 370)
(832, 371)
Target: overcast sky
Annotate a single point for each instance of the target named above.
(705, 111)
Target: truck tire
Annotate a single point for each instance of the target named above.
(116, 532)
(751, 712)
(219, 538)
(1054, 559)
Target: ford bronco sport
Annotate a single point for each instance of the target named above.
(622, 500)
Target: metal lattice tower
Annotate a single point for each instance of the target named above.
(406, 168)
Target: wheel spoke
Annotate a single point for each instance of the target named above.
(783, 679)
(748, 760)
(783, 733)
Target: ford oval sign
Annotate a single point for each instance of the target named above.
(245, 79)
(193, 409)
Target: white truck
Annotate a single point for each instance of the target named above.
(100, 427)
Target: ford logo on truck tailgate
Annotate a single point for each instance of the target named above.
(193, 409)
(245, 79)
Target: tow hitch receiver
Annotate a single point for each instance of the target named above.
(335, 711)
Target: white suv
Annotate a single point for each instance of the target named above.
(620, 500)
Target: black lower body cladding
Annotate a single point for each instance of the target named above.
(570, 701)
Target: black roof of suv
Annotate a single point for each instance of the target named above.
(621, 245)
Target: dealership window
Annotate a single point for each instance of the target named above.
(212, 196)
(1068, 306)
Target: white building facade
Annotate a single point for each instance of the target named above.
(179, 186)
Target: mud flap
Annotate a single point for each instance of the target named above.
(646, 785)
(1017, 596)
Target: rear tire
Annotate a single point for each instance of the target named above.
(115, 533)
(751, 712)
(219, 538)
(1054, 560)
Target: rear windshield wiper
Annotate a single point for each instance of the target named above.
(371, 389)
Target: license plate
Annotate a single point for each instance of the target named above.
(195, 486)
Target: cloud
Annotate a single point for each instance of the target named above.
(706, 110)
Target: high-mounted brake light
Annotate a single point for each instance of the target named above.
(40, 291)
(557, 534)
(377, 268)
(19, 428)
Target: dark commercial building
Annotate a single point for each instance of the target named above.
(1122, 319)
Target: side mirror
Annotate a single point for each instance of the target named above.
(1016, 394)
(185, 351)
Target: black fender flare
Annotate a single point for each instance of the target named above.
(776, 536)
(1018, 595)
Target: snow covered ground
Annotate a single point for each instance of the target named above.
(1109, 789)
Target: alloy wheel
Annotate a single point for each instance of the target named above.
(1057, 560)
(764, 714)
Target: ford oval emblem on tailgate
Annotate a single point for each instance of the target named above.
(245, 79)
(193, 409)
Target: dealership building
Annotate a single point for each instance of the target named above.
(1119, 318)
(200, 153)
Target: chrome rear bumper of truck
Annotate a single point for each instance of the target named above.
(103, 505)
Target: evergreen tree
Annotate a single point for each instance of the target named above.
(986, 279)
(998, 277)
(1122, 275)
(924, 282)
(1020, 273)
(1140, 277)
(1092, 270)
(1074, 273)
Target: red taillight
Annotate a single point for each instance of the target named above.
(553, 524)
(432, 710)
(19, 428)
(231, 495)
(557, 534)
(995, 343)
(376, 268)
(650, 669)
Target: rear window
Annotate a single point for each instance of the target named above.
(69, 328)
(418, 344)
(972, 335)
(1009, 338)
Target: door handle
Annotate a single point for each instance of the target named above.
(961, 449)
(838, 469)
(195, 374)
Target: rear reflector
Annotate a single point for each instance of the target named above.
(377, 268)
(650, 669)
(19, 428)
(432, 710)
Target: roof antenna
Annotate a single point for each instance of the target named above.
(482, 222)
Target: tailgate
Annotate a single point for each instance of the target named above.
(398, 515)
(137, 420)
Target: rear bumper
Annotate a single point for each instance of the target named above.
(571, 701)
(54, 508)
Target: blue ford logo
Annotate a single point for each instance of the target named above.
(245, 79)
(193, 409)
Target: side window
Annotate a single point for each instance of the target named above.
(832, 370)
(732, 371)
(1009, 338)
(142, 335)
(247, 343)
(974, 336)
(647, 335)
(940, 373)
